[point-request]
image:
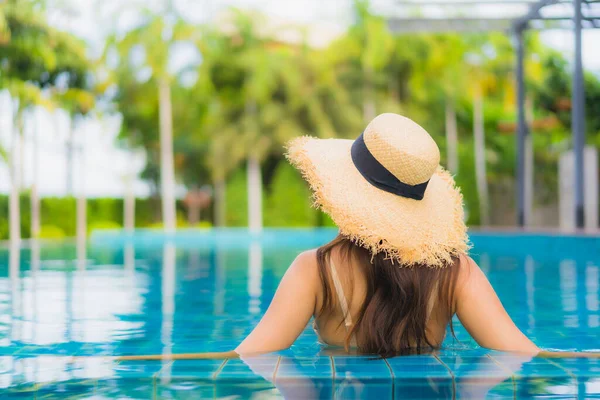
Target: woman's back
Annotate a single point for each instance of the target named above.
(349, 293)
(397, 321)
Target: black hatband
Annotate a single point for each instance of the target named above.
(378, 176)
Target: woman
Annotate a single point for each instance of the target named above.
(398, 271)
(392, 280)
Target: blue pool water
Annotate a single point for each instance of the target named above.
(203, 291)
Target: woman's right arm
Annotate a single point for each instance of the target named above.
(482, 314)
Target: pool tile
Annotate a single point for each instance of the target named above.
(16, 395)
(538, 378)
(76, 388)
(319, 367)
(546, 388)
(423, 388)
(503, 390)
(581, 367)
(247, 390)
(187, 379)
(57, 349)
(417, 367)
(182, 389)
(474, 367)
(130, 388)
(362, 377)
(539, 368)
(189, 369)
(361, 367)
(306, 388)
(249, 368)
(137, 369)
(422, 377)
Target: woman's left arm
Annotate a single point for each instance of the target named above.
(289, 312)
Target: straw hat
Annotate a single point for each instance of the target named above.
(386, 191)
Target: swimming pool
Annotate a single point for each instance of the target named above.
(204, 290)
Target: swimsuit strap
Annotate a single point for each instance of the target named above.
(340, 293)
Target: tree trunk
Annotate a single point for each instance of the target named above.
(167, 169)
(81, 206)
(254, 178)
(193, 214)
(22, 143)
(129, 206)
(369, 111)
(219, 203)
(35, 200)
(254, 195)
(451, 137)
(14, 212)
(480, 168)
(69, 161)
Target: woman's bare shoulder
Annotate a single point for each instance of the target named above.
(306, 264)
(468, 270)
(307, 257)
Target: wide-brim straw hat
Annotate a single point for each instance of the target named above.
(386, 191)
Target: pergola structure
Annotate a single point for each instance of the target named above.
(514, 17)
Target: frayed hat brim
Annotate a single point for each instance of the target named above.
(428, 232)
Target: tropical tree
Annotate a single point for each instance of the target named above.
(153, 42)
(265, 91)
(35, 57)
(361, 57)
(24, 96)
(489, 66)
(78, 103)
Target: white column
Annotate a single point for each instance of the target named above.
(480, 167)
(529, 171)
(451, 137)
(566, 189)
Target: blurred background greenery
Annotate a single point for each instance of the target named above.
(254, 86)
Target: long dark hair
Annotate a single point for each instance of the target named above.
(393, 317)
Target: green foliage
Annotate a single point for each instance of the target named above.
(59, 215)
(59, 212)
(237, 200)
(36, 56)
(288, 202)
(51, 232)
(103, 225)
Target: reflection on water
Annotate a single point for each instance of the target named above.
(138, 297)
